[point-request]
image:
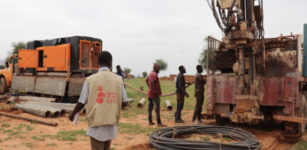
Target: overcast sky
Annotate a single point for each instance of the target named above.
(136, 32)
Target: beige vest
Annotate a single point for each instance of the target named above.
(104, 100)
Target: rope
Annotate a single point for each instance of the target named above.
(165, 95)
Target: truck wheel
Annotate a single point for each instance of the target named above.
(221, 121)
(3, 86)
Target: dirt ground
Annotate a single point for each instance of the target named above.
(21, 134)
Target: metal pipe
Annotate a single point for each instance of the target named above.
(34, 110)
(224, 116)
(251, 65)
(52, 74)
(290, 119)
(68, 108)
(168, 105)
(3, 97)
(141, 102)
(56, 111)
(258, 118)
(130, 100)
(241, 69)
(31, 98)
(29, 119)
(12, 100)
(305, 52)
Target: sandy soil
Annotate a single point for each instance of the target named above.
(268, 134)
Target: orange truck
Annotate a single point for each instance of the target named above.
(52, 68)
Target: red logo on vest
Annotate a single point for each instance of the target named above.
(100, 95)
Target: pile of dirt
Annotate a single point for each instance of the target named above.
(144, 146)
(11, 110)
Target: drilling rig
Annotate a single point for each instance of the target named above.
(52, 68)
(260, 79)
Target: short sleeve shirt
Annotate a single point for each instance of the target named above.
(180, 81)
(153, 76)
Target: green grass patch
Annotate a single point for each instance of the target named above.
(134, 128)
(33, 122)
(14, 133)
(38, 138)
(29, 128)
(6, 125)
(0, 140)
(28, 144)
(206, 138)
(301, 145)
(51, 144)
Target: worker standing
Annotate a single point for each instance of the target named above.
(181, 92)
(120, 72)
(154, 92)
(104, 94)
(199, 94)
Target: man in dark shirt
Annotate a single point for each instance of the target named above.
(199, 94)
(119, 71)
(180, 90)
(154, 92)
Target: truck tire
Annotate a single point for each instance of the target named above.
(221, 121)
(3, 86)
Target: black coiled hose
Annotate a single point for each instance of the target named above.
(162, 139)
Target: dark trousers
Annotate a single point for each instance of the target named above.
(200, 100)
(154, 102)
(180, 103)
(99, 145)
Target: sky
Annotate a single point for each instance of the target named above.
(136, 32)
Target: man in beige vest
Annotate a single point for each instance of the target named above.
(104, 94)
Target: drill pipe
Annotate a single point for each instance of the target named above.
(141, 103)
(3, 97)
(168, 105)
(31, 98)
(29, 119)
(33, 110)
(55, 112)
(241, 69)
(12, 99)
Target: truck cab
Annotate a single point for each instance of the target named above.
(6, 74)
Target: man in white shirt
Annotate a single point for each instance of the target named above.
(103, 103)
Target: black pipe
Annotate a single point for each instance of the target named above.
(163, 139)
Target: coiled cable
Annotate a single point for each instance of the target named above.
(163, 139)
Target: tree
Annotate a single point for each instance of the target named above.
(16, 46)
(127, 71)
(2, 67)
(163, 64)
(144, 74)
(202, 60)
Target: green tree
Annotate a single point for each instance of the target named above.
(144, 74)
(2, 67)
(163, 64)
(16, 46)
(202, 60)
(127, 71)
